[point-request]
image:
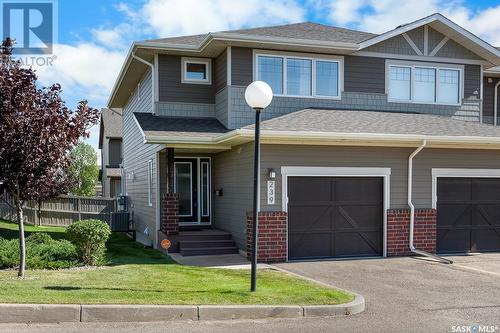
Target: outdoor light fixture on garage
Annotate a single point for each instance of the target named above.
(258, 96)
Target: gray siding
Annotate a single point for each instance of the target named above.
(489, 100)
(364, 74)
(233, 173)
(454, 50)
(241, 66)
(394, 45)
(184, 109)
(276, 156)
(220, 71)
(222, 106)
(241, 115)
(136, 155)
(472, 81)
(172, 90)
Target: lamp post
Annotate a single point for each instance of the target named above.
(258, 96)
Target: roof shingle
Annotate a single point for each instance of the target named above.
(376, 122)
(304, 30)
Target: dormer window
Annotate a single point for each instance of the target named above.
(300, 75)
(424, 83)
(197, 70)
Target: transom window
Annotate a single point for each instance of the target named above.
(196, 70)
(424, 84)
(300, 76)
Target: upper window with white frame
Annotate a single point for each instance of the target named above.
(300, 76)
(197, 70)
(424, 83)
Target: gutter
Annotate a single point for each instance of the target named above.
(495, 107)
(152, 79)
(412, 209)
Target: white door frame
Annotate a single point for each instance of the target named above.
(198, 180)
(459, 173)
(307, 171)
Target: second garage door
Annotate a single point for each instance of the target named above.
(468, 214)
(334, 217)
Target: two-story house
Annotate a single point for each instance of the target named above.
(365, 134)
(110, 143)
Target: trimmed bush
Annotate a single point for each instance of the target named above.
(39, 238)
(42, 252)
(89, 237)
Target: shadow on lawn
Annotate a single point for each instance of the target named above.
(73, 288)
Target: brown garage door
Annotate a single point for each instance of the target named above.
(334, 217)
(468, 217)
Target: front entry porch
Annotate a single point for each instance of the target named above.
(186, 206)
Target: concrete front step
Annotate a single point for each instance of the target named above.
(206, 243)
(205, 251)
(204, 235)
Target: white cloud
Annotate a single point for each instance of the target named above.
(382, 15)
(173, 17)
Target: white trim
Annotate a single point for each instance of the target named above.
(158, 197)
(156, 88)
(308, 171)
(205, 61)
(412, 44)
(459, 173)
(190, 185)
(437, 67)
(306, 56)
(228, 64)
(198, 177)
(427, 20)
(439, 46)
(420, 58)
(144, 140)
(426, 40)
(150, 182)
(209, 190)
(481, 71)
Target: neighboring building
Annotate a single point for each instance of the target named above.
(110, 143)
(349, 110)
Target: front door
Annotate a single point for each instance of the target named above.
(192, 184)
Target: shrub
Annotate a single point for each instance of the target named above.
(42, 252)
(39, 238)
(89, 237)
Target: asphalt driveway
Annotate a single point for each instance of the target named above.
(414, 295)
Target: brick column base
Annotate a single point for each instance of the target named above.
(271, 236)
(170, 214)
(398, 231)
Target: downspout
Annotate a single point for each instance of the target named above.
(412, 209)
(152, 79)
(495, 107)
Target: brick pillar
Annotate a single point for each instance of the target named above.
(170, 214)
(271, 236)
(398, 231)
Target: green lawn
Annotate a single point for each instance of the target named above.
(135, 275)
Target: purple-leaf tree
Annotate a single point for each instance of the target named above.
(37, 131)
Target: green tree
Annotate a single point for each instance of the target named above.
(83, 170)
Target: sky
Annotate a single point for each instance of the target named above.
(95, 35)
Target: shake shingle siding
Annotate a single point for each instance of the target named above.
(136, 156)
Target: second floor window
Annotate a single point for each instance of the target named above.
(300, 76)
(424, 84)
(196, 70)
